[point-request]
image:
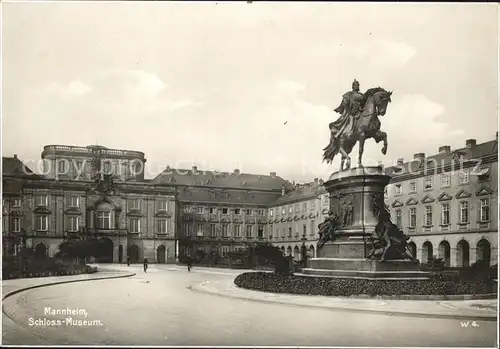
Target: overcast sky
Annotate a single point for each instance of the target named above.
(214, 84)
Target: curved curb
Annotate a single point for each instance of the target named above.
(453, 297)
(22, 289)
(198, 289)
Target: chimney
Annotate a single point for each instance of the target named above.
(273, 174)
(445, 149)
(195, 169)
(470, 143)
(400, 161)
(419, 156)
(236, 171)
(15, 156)
(316, 180)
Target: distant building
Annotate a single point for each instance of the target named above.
(220, 211)
(293, 218)
(447, 203)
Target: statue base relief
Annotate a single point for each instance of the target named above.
(355, 196)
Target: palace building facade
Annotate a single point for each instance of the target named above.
(446, 202)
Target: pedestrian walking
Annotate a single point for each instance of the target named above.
(128, 261)
(145, 264)
(189, 262)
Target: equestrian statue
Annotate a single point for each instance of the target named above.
(358, 121)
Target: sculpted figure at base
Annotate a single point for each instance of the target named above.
(358, 121)
(327, 229)
(388, 242)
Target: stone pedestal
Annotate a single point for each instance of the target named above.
(355, 196)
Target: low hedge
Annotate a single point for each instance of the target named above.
(272, 282)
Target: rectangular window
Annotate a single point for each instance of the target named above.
(304, 230)
(199, 230)
(289, 232)
(312, 228)
(225, 211)
(107, 167)
(283, 210)
(297, 208)
(199, 210)
(237, 211)
(249, 231)
(42, 223)
(16, 225)
(260, 232)
(73, 224)
(398, 217)
(464, 212)
(237, 230)
(188, 229)
(163, 204)
(304, 206)
(464, 176)
(61, 167)
(161, 226)
(399, 189)
(271, 231)
(484, 205)
(135, 225)
(249, 212)
(103, 220)
(74, 201)
(134, 204)
(428, 216)
(213, 230)
(413, 186)
(313, 205)
(445, 180)
(41, 200)
(413, 217)
(271, 213)
(262, 213)
(428, 183)
(325, 199)
(225, 230)
(213, 210)
(445, 214)
(290, 209)
(17, 203)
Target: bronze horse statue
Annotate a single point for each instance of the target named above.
(364, 124)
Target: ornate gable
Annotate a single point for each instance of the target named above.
(427, 199)
(397, 203)
(411, 201)
(484, 191)
(444, 197)
(462, 194)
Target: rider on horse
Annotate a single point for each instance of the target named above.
(349, 109)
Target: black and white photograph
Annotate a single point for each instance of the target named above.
(249, 174)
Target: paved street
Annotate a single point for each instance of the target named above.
(158, 308)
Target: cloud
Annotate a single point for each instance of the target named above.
(417, 117)
(125, 91)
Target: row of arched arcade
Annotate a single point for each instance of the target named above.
(454, 256)
(295, 252)
(105, 252)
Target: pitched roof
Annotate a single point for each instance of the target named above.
(301, 192)
(213, 179)
(218, 196)
(478, 151)
(15, 167)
